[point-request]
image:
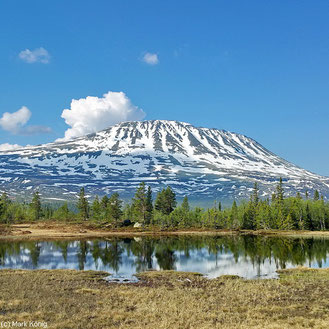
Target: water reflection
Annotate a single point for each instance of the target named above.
(248, 256)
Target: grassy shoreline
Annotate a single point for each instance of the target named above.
(55, 230)
(165, 299)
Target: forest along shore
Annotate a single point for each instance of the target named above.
(55, 230)
(279, 213)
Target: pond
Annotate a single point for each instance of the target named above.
(246, 256)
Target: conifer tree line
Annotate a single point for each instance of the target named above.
(302, 212)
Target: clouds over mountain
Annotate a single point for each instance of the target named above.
(9, 147)
(91, 114)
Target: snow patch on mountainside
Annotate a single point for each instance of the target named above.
(200, 162)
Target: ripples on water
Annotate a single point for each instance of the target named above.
(247, 256)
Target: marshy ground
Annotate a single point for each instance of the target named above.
(50, 230)
(165, 299)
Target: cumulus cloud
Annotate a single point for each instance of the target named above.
(38, 55)
(91, 114)
(15, 123)
(9, 147)
(151, 59)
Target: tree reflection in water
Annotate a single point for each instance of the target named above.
(145, 253)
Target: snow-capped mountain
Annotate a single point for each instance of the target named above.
(202, 163)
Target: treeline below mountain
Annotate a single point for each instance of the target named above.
(292, 213)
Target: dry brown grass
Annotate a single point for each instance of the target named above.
(52, 230)
(5, 230)
(73, 299)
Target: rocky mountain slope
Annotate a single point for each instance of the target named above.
(203, 163)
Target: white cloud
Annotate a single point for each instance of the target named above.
(15, 123)
(38, 55)
(91, 114)
(9, 147)
(151, 59)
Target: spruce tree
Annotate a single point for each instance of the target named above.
(249, 217)
(166, 201)
(170, 199)
(278, 206)
(63, 212)
(255, 197)
(322, 214)
(234, 220)
(4, 204)
(115, 207)
(160, 201)
(280, 192)
(139, 203)
(309, 224)
(185, 204)
(104, 202)
(128, 212)
(149, 206)
(83, 205)
(263, 217)
(287, 223)
(96, 208)
(35, 206)
(316, 195)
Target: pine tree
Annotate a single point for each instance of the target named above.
(160, 201)
(128, 212)
(4, 204)
(83, 205)
(47, 212)
(263, 217)
(322, 214)
(234, 216)
(63, 212)
(287, 223)
(5, 199)
(219, 206)
(279, 205)
(316, 195)
(96, 208)
(185, 204)
(139, 203)
(104, 202)
(280, 192)
(255, 197)
(149, 206)
(309, 225)
(249, 217)
(166, 201)
(35, 206)
(170, 199)
(115, 207)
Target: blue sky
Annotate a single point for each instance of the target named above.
(259, 68)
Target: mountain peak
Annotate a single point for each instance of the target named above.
(200, 162)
